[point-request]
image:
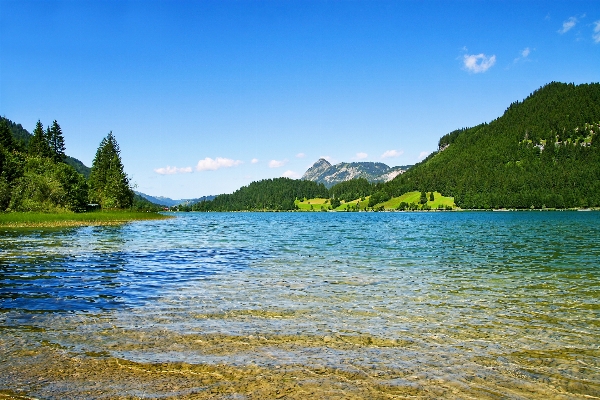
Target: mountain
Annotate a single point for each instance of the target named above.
(165, 201)
(79, 166)
(22, 136)
(542, 152)
(323, 172)
(277, 194)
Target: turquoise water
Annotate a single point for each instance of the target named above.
(455, 305)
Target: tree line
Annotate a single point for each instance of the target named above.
(35, 175)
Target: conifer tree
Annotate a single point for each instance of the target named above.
(56, 142)
(109, 185)
(6, 137)
(38, 145)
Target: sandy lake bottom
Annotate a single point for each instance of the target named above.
(305, 305)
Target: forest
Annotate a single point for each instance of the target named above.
(543, 152)
(276, 194)
(36, 175)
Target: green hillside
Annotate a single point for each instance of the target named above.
(269, 194)
(543, 152)
(414, 199)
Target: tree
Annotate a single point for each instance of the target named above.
(109, 185)
(6, 137)
(431, 197)
(56, 142)
(38, 145)
(423, 198)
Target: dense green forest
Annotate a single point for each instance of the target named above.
(37, 175)
(268, 194)
(543, 152)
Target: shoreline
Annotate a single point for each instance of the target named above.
(20, 220)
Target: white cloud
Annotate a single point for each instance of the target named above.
(568, 25)
(300, 155)
(596, 34)
(478, 63)
(173, 170)
(392, 153)
(277, 163)
(361, 156)
(254, 160)
(525, 52)
(291, 174)
(208, 164)
(423, 154)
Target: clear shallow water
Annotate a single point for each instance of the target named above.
(297, 305)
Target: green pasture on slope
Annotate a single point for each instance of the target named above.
(316, 204)
(415, 197)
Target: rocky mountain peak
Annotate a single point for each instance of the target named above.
(316, 170)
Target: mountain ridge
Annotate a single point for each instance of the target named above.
(168, 202)
(322, 171)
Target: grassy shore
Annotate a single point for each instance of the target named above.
(67, 219)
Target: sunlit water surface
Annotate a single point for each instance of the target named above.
(305, 305)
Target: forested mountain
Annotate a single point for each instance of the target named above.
(22, 137)
(20, 134)
(323, 172)
(268, 194)
(543, 152)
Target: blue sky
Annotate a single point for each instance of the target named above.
(207, 96)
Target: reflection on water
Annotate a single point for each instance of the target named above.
(296, 305)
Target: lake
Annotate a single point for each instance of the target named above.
(305, 305)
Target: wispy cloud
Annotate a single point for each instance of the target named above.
(478, 63)
(568, 25)
(300, 155)
(277, 163)
(291, 174)
(254, 161)
(208, 164)
(361, 156)
(392, 153)
(596, 35)
(423, 154)
(168, 170)
(524, 55)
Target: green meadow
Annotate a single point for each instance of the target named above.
(313, 204)
(439, 201)
(68, 219)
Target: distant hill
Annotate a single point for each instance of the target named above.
(543, 152)
(323, 172)
(79, 166)
(165, 201)
(19, 133)
(23, 136)
(277, 194)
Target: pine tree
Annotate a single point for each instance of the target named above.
(6, 137)
(38, 145)
(109, 185)
(56, 142)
